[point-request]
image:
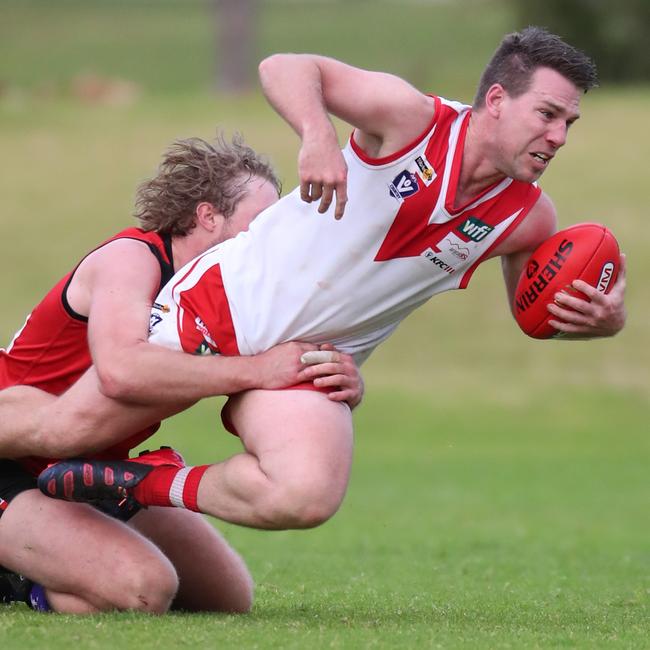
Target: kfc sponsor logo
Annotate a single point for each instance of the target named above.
(431, 255)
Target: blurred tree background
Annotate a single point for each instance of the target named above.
(615, 34)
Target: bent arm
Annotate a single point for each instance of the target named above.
(305, 89)
(123, 278)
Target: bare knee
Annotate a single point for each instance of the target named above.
(147, 587)
(304, 504)
(242, 603)
(142, 582)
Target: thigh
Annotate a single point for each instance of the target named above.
(72, 548)
(212, 576)
(298, 435)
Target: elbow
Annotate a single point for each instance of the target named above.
(267, 66)
(274, 66)
(114, 382)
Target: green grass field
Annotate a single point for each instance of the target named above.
(499, 496)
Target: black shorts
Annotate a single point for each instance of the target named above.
(14, 479)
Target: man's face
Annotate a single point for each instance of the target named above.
(533, 127)
(260, 194)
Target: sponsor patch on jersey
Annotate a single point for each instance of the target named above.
(435, 259)
(201, 327)
(425, 171)
(475, 229)
(455, 247)
(163, 308)
(405, 184)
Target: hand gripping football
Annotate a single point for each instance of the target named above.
(586, 251)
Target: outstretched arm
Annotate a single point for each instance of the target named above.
(304, 89)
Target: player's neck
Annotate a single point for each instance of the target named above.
(186, 248)
(477, 172)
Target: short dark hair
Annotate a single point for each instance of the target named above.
(193, 171)
(521, 53)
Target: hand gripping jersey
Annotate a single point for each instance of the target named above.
(51, 352)
(300, 275)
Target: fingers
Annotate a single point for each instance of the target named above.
(576, 331)
(327, 368)
(568, 316)
(571, 301)
(348, 396)
(341, 199)
(305, 191)
(313, 191)
(332, 381)
(596, 316)
(316, 357)
(319, 184)
(326, 201)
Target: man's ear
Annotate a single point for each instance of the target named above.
(494, 99)
(207, 217)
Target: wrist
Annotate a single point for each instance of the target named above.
(244, 374)
(317, 129)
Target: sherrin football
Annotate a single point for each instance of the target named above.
(586, 251)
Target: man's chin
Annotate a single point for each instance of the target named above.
(528, 176)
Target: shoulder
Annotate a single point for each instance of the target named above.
(123, 261)
(124, 250)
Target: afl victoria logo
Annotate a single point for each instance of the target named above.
(606, 274)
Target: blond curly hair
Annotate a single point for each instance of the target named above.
(193, 171)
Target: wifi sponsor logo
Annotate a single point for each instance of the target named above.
(475, 229)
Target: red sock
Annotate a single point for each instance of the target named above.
(171, 486)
